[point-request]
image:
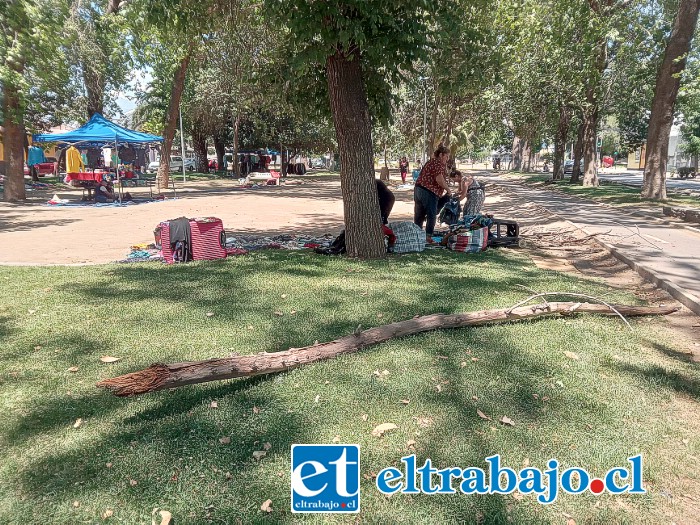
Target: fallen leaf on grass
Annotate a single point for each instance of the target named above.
(405, 401)
(210, 314)
(109, 359)
(259, 454)
(571, 355)
(214, 404)
(165, 517)
(364, 417)
(283, 296)
(380, 430)
(256, 410)
(266, 506)
(38, 347)
(475, 359)
(379, 316)
(108, 513)
(336, 439)
(133, 482)
(317, 398)
(267, 446)
(474, 398)
(481, 414)
(76, 504)
(441, 357)
(108, 465)
(438, 388)
(225, 440)
(463, 364)
(77, 423)
(424, 421)
(411, 444)
(73, 369)
(507, 421)
(293, 312)
(278, 313)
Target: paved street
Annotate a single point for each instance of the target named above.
(671, 254)
(635, 178)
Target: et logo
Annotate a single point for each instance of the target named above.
(325, 478)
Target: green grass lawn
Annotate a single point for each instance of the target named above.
(613, 194)
(621, 397)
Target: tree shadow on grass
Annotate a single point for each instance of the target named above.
(654, 376)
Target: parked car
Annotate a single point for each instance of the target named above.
(569, 166)
(175, 164)
(318, 163)
(43, 168)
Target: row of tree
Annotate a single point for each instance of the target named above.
(357, 75)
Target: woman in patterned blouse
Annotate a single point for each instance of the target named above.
(430, 186)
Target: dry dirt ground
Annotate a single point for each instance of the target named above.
(34, 233)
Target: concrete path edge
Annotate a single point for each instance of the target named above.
(684, 297)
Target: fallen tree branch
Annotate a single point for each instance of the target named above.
(163, 376)
(545, 294)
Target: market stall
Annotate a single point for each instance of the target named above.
(98, 133)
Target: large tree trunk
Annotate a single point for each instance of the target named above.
(13, 142)
(516, 154)
(526, 157)
(171, 119)
(199, 141)
(667, 84)
(220, 148)
(283, 160)
(353, 129)
(578, 154)
(560, 142)
(236, 163)
(590, 124)
(163, 376)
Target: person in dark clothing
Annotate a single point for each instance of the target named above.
(430, 186)
(386, 200)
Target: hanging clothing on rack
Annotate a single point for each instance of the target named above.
(94, 158)
(126, 154)
(74, 162)
(35, 156)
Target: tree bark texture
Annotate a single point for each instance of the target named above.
(13, 138)
(516, 154)
(526, 156)
(171, 119)
(578, 154)
(220, 147)
(560, 142)
(353, 129)
(199, 141)
(665, 94)
(163, 376)
(590, 124)
(283, 160)
(236, 163)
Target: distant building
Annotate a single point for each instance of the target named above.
(676, 158)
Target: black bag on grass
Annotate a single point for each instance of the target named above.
(337, 247)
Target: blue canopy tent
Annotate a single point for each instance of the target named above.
(98, 131)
